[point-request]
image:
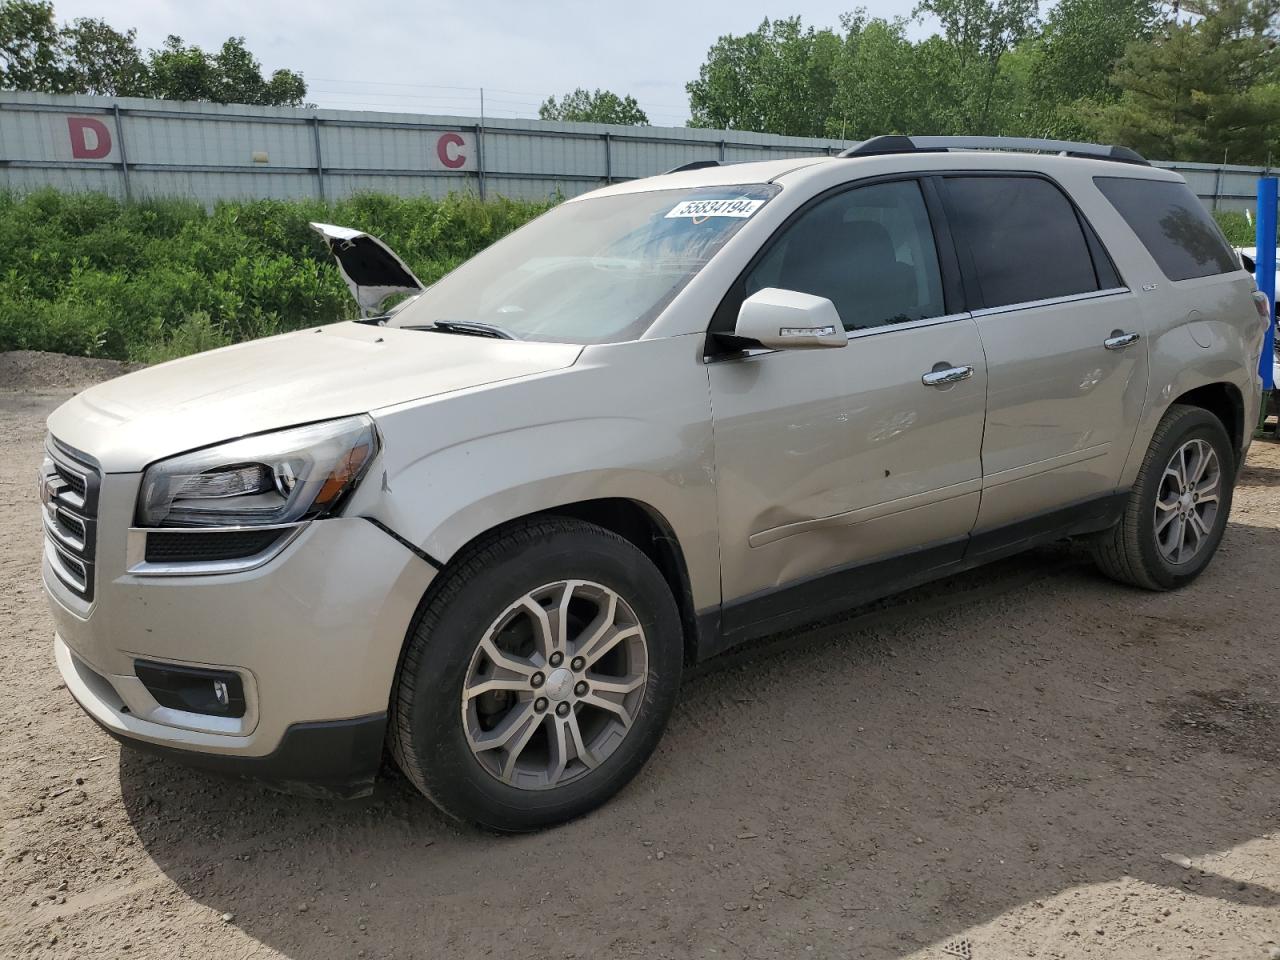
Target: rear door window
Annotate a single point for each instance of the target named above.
(1023, 237)
(1172, 224)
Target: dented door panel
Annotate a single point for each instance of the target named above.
(827, 458)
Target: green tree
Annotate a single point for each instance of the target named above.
(982, 30)
(991, 68)
(1201, 89)
(887, 84)
(980, 33)
(101, 60)
(30, 49)
(1081, 43)
(777, 79)
(1058, 76)
(178, 72)
(232, 75)
(90, 56)
(602, 106)
(869, 78)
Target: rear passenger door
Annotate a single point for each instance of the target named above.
(1066, 360)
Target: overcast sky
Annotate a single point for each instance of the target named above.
(431, 57)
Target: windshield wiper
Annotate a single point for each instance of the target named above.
(471, 328)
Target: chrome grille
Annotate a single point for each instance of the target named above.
(69, 482)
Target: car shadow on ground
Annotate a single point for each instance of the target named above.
(866, 786)
(1259, 475)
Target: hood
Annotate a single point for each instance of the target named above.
(318, 374)
(372, 271)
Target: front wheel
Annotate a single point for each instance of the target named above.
(539, 676)
(1178, 507)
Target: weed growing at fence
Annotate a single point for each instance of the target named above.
(1238, 228)
(85, 274)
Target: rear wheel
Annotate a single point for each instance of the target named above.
(1178, 508)
(539, 676)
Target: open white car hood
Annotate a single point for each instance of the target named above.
(372, 270)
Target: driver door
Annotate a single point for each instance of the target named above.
(840, 470)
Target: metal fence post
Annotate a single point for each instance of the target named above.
(722, 151)
(608, 159)
(1217, 189)
(480, 157)
(315, 129)
(124, 157)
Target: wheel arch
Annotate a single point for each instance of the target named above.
(1225, 402)
(649, 531)
(639, 523)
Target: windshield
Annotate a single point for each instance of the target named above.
(590, 271)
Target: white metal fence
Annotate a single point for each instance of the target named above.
(133, 148)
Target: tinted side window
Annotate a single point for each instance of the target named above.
(869, 251)
(1172, 224)
(1024, 237)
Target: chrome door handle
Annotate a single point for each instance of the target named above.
(940, 378)
(1119, 340)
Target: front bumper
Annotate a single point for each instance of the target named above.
(333, 758)
(314, 635)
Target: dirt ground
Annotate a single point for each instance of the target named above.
(1024, 761)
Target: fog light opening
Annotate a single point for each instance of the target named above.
(218, 693)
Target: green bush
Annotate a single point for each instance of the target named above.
(1237, 227)
(84, 274)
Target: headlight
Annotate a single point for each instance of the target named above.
(272, 478)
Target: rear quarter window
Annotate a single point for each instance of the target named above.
(1172, 224)
(1023, 236)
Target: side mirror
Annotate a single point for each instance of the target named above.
(790, 320)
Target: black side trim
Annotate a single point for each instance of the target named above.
(843, 588)
(1083, 516)
(827, 593)
(331, 758)
(412, 548)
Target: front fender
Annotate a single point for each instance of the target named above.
(633, 422)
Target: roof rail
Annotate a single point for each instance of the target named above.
(877, 146)
(694, 165)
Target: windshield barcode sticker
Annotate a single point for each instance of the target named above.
(740, 207)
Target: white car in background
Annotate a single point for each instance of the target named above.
(1250, 255)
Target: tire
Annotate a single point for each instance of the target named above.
(1136, 550)
(443, 740)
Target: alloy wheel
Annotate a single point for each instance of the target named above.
(1187, 501)
(555, 684)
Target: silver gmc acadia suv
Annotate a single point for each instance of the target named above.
(486, 530)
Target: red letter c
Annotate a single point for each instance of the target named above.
(452, 160)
